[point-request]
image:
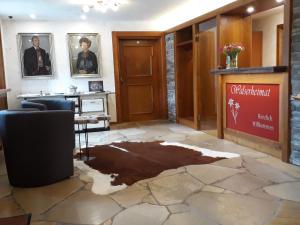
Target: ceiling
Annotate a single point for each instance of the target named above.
(171, 11)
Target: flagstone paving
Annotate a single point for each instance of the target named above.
(40, 199)
(287, 191)
(2, 164)
(209, 174)
(254, 189)
(234, 163)
(5, 188)
(174, 189)
(131, 196)
(188, 218)
(84, 208)
(242, 183)
(262, 170)
(145, 214)
(233, 209)
(9, 207)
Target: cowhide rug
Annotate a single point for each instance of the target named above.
(119, 165)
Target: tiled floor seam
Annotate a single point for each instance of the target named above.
(122, 207)
(168, 217)
(149, 189)
(213, 184)
(15, 201)
(63, 200)
(141, 203)
(277, 211)
(271, 182)
(282, 171)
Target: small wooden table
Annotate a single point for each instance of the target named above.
(84, 121)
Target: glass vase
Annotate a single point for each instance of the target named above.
(228, 60)
(231, 61)
(234, 61)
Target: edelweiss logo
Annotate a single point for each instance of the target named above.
(234, 108)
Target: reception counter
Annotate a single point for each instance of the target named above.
(253, 109)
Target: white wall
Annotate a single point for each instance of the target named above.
(62, 79)
(268, 25)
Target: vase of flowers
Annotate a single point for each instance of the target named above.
(232, 51)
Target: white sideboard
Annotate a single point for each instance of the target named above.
(94, 103)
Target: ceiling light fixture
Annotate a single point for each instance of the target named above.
(32, 16)
(85, 8)
(279, 1)
(103, 5)
(83, 17)
(250, 9)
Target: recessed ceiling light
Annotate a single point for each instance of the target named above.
(250, 9)
(32, 16)
(85, 8)
(279, 1)
(83, 17)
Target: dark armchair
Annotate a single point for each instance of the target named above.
(38, 146)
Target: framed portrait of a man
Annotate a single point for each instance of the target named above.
(36, 54)
(84, 51)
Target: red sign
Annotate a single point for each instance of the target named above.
(253, 109)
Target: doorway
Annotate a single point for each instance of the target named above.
(139, 69)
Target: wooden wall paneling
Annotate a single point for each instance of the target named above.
(207, 62)
(285, 122)
(185, 81)
(287, 29)
(219, 99)
(185, 77)
(279, 45)
(219, 47)
(235, 29)
(3, 99)
(257, 49)
(196, 77)
(185, 35)
(176, 78)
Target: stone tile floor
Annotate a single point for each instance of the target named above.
(254, 189)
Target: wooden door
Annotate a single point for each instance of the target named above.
(139, 78)
(257, 49)
(3, 99)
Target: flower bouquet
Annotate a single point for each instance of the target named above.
(232, 51)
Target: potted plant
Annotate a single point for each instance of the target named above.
(232, 51)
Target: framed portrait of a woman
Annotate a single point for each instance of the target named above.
(84, 51)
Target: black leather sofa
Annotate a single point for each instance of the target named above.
(38, 145)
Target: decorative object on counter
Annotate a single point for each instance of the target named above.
(84, 51)
(36, 52)
(73, 89)
(96, 86)
(232, 51)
